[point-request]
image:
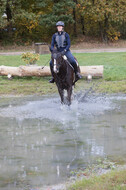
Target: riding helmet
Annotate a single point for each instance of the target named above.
(60, 23)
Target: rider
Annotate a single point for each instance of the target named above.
(61, 40)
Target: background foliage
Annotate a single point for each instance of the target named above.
(34, 20)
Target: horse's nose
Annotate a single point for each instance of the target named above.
(56, 70)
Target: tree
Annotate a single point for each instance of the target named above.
(105, 14)
(35, 19)
(59, 10)
(2, 12)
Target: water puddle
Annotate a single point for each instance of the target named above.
(42, 141)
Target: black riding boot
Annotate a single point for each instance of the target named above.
(52, 79)
(77, 73)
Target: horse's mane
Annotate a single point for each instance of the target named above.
(55, 51)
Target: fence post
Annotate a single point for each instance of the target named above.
(41, 48)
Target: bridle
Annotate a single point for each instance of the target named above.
(57, 71)
(55, 57)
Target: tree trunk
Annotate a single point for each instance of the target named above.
(75, 21)
(105, 36)
(75, 27)
(103, 29)
(9, 18)
(106, 26)
(123, 29)
(82, 24)
(93, 1)
(8, 11)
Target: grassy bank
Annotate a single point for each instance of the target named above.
(115, 180)
(114, 80)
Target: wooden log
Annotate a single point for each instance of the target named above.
(94, 71)
(25, 71)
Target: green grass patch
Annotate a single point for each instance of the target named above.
(114, 80)
(115, 180)
(26, 86)
(114, 63)
(111, 86)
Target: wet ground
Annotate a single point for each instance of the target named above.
(42, 141)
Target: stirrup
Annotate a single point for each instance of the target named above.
(52, 80)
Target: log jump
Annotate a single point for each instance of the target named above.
(39, 71)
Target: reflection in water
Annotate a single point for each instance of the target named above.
(40, 141)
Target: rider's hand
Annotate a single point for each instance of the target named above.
(51, 49)
(63, 52)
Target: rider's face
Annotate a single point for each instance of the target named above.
(59, 28)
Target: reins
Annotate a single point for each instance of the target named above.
(49, 59)
(45, 64)
(65, 58)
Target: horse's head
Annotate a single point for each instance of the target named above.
(57, 60)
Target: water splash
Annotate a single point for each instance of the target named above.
(50, 108)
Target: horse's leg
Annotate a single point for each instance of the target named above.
(69, 94)
(61, 93)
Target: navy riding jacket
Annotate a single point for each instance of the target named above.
(63, 41)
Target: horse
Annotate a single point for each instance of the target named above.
(63, 74)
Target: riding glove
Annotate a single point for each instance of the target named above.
(63, 52)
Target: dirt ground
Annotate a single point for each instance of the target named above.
(89, 43)
(93, 50)
(83, 45)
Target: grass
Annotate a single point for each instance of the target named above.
(115, 180)
(26, 86)
(114, 80)
(114, 63)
